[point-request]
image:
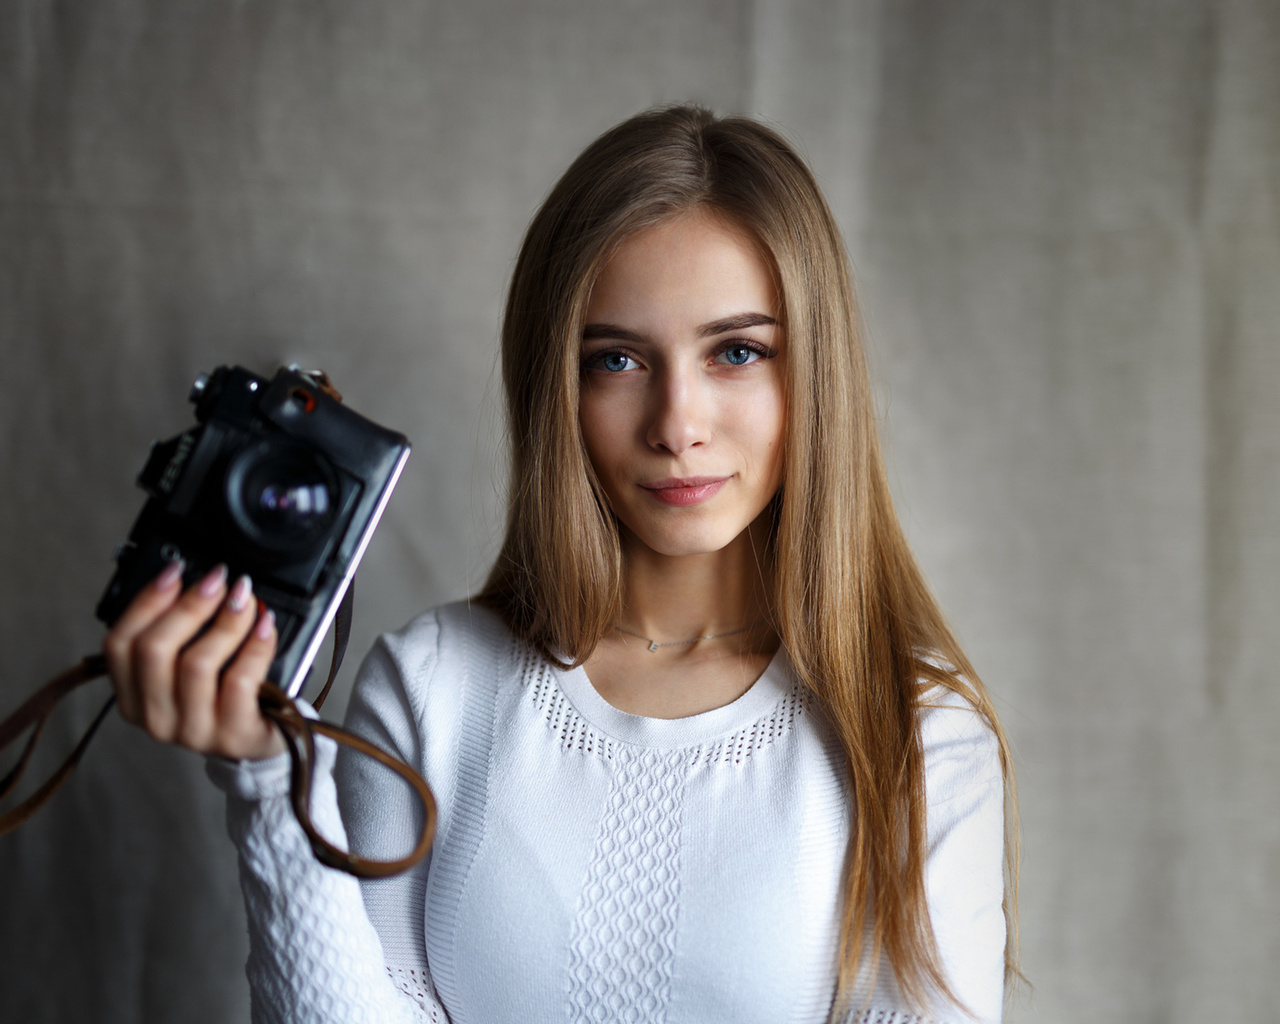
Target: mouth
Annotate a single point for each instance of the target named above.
(691, 490)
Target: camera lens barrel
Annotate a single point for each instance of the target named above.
(282, 496)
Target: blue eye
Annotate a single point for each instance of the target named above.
(740, 355)
(609, 362)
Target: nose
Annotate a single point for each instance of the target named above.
(680, 414)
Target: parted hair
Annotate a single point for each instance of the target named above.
(847, 599)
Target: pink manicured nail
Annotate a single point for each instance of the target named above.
(172, 573)
(266, 624)
(238, 599)
(213, 582)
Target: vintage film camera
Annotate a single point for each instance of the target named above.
(278, 480)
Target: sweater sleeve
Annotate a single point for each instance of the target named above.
(964, 876)
(324, 947)
(964, 872)
(382, 815)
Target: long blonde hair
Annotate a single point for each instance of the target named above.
(849, 603)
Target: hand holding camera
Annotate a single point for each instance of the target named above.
(285, 484)
(279, 481)
(277, 489)
(187, 667)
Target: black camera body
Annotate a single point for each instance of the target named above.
(279, 480)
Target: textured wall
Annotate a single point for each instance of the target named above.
(1065, 219)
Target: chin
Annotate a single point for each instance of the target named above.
(697, 540)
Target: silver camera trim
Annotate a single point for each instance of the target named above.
(295, 684)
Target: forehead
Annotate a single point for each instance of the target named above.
(698, 262)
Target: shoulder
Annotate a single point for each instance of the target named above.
(962, 758)
(951, 725)
(401, 676)
(411, 693)
(951, 722)
(448, 635)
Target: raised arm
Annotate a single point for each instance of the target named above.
(186, 668)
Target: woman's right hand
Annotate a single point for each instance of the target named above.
(196, 689)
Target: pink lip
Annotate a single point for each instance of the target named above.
(691, 490)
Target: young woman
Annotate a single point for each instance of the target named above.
(704, 747)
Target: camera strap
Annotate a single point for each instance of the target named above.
(299, 732)
(35, 711)
(341, 635)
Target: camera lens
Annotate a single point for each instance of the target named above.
(282, 496)
(286, 499)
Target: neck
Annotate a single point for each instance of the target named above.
(667, 598)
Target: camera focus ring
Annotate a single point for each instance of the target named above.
(282, 496)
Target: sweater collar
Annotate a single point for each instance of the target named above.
(775, 683)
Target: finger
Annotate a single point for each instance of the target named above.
(242, 730)
(155, 652)
(196, 686)
(117, 646)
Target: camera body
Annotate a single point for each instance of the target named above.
(280, 481)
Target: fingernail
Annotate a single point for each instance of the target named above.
(266, 624)
(171, 574)
(238, 599)
(213, 582)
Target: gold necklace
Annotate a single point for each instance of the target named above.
(654, 644)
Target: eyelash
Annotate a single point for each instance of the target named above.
(759, 348)
(595, 360)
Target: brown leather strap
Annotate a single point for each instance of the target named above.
(299, 735)
(341, 634)
(35, 711)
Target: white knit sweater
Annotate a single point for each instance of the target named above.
(592, 865)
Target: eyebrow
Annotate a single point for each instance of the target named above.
(740, 322)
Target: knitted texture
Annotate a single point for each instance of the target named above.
(888, 1017)
(622, 944)
(572, 731)
(591, 865)
(309, 958)
(577, 734)
(755, 737)
(416, 984)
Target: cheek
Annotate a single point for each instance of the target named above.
(774, 456)
(600, 431)
(763, 432)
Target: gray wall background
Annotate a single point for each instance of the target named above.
(1065, 220)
